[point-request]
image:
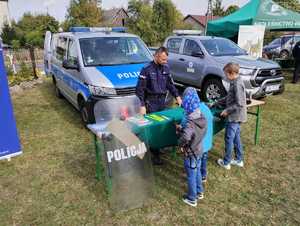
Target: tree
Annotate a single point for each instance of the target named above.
(217, 8)
(139, 22)
(289, 4)
(231, 9)
(180, 24)
(83, 13)
(165, 17)
(8, 34)
(31, 29)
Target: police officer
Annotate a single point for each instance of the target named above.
(154, 82)
(296, 55)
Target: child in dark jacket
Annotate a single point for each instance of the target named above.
(190, 141)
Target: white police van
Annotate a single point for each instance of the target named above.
(91, 64)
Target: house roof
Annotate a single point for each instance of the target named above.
(200, 18)
(110, 14)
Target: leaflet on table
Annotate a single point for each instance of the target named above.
(159, 118)
(139, 120)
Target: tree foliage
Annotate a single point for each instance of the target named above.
(30, 30)
(217, 8)
(293, 5)
(153, 23)
(8, 34)
(82, 13)
(231, 9)
(164, 19)
(139, 22)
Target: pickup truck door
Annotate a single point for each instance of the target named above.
(173, 45)
(191, 67)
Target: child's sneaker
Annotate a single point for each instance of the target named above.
(186, 200)
(200, 196)
(221, 163)
(204, 179)
(236, 163)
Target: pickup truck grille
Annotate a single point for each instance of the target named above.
(262, 75)
(269, 72)
(125, 91)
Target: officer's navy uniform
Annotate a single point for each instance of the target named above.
(296, 55)
(153, 83)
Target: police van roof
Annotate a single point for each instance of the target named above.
(201, 37)
(87, 32)
(100, 34)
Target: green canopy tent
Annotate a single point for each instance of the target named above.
(256, 12)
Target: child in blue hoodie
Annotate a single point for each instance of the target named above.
(191, 142)
(207, 140)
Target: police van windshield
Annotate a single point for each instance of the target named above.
(222, 47)
(113, 51)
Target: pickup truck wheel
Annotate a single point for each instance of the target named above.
(213, 89)
(284, 54)
(86, 112)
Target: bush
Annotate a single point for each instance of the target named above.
(24, 74)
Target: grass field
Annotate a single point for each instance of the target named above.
(53, 182)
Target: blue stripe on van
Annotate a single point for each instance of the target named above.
(75, 85)
(122, 76)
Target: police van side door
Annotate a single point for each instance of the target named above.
(192, 65)
(72, 70)
(59, 52)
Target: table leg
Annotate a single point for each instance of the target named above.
(98, 158)
(174, 155)
(257, 129)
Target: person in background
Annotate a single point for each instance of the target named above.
(296, 55)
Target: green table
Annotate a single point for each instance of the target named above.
(160, 134)
(163, 134)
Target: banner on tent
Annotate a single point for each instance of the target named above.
(9, 140)
(251, 39)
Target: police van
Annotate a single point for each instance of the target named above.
(93, 64)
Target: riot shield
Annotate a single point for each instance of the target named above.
(126, 158)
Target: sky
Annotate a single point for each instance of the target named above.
(58, 8)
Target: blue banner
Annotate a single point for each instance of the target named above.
(9, 140)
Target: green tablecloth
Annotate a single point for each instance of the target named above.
(162, 133)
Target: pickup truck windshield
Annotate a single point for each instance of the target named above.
(113, 51)
(222, 47)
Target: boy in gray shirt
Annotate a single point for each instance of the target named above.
(236, 113)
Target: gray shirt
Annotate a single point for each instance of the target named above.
(192, 134)
(235, 101)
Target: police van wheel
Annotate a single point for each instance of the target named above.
(58, 93)
(212, 89)
(56, 89)
(86, 112)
